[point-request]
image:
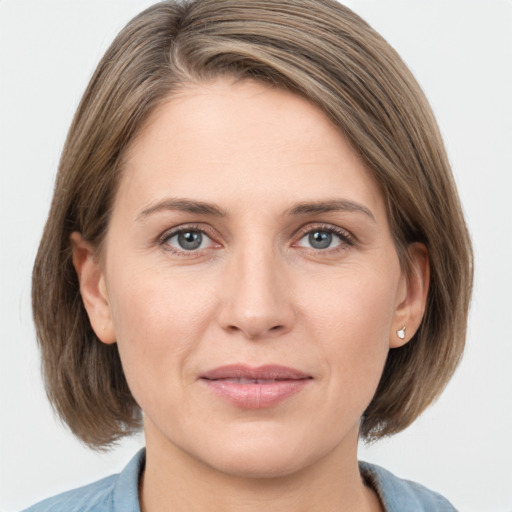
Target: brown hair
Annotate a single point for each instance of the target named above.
(316, 48)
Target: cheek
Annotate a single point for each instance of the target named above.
(355, 300)
(154, 304)
(351, 319)
(158, 323)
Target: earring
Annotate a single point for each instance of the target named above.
(401, 333)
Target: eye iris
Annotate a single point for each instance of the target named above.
(320, 239)
(190, 240)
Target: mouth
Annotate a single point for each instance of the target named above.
(244, 380)
(255, 387)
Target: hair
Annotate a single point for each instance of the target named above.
(320, 50)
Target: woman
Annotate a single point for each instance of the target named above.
(255, 241)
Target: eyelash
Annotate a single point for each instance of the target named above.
(167, 235)
(345, 237)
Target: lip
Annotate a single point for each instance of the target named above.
(259, 387)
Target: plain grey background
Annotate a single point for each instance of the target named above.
(461, 53)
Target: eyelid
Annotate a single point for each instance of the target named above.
(346, 236)
(176, 230)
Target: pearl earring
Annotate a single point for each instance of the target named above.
(401, 333)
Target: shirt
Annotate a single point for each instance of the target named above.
(119, 493)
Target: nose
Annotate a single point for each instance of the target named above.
(256, 296)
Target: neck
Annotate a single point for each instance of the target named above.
(176, 481)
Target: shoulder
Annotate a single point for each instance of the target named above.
(399, 495)
(96, 496)
(115, 493)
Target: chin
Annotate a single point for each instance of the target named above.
(263, 458)
(261, 465)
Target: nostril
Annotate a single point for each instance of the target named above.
(256, 333)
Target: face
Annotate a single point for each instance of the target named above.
(250, 279)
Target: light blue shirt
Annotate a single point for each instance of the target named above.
(119, 493)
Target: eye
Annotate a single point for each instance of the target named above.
(320, 239)
(325, 237)
(187, 240)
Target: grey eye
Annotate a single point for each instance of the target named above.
(324, 238)
(320, 239)
(190, 240)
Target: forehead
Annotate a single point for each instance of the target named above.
(243, 139)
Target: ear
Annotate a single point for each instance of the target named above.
(412, 297)
(93, 288)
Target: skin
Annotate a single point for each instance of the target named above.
(256, 292)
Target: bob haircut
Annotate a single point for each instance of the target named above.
(315, 48)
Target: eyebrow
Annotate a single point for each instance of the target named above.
(204, 208)
(183, 205)
(335, 205)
